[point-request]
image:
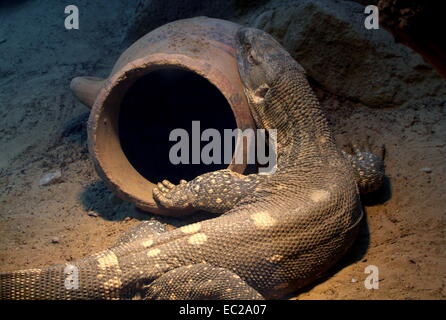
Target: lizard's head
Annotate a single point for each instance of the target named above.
(261, 62)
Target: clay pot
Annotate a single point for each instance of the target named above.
(189, 59)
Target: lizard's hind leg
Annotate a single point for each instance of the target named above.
(368, 164)
(217, 191)
(200, 282)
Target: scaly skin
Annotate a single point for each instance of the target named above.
(277, 232)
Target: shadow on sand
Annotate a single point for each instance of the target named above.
(98, 199)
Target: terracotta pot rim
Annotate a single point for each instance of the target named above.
(109, 159)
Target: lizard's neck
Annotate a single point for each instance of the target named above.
(302, 128)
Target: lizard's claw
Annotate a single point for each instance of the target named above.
(358, 148)
(171, 196)
(168, 184)
(162, 188)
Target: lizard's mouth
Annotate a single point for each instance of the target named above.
(261, 91)
(256, 99)
(257, 96)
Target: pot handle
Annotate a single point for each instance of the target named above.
(86, 89)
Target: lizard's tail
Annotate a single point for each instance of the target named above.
(32, 284)
(96, 277)
(68, 281)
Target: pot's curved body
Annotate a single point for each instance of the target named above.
(202, 45)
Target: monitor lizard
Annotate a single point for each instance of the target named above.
(275, 232)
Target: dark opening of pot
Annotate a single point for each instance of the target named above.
(164, 100)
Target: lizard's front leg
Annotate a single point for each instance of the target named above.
(217, 191)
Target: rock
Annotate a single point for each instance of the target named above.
(415, 23)
(327, 37)
(50, 178)
(92, 214)
(426, 170)
(329, 40)
(55, 240)
(354, 280)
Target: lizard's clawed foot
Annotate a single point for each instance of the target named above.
(367, 161)
(368, 147)
(171, 196)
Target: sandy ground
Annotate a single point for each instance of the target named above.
(43, 129)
